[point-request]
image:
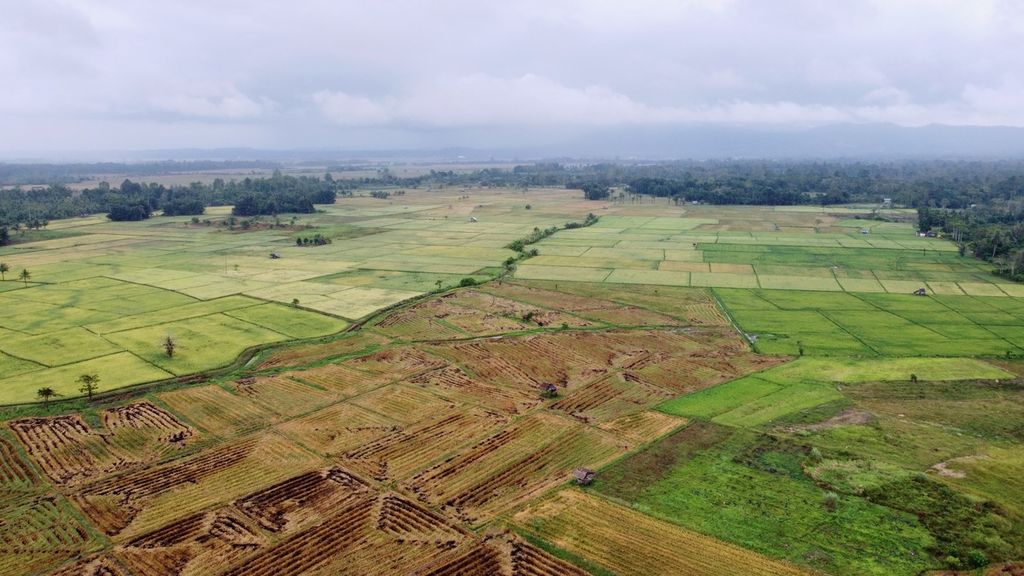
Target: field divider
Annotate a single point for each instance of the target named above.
(732, 322)
(974, 322)
(845, 330)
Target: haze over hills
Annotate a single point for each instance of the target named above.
(837, 141)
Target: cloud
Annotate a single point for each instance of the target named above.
(317, 72)
(530, 100)
(218, 102)
(348, 110)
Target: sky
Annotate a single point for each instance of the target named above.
(138, 74)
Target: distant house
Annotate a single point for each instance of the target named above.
(583, 476)
(548, 390)
(887, 202)
(473, 219)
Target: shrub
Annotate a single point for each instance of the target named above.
(830, 501)
(976, 559)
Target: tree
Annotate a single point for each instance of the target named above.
(46, 394)
(169, 345)
(90, 383)
(4, 269)
(24, 276)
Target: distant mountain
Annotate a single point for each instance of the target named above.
(700, 142)
(867, 141)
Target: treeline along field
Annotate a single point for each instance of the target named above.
(34, 208)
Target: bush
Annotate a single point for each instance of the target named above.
(830, 501)
(976, 559)
(467, 282)
(129, 212)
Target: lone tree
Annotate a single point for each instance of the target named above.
(169, 345)
(46, 394)
(24, 276)
(90, 383)
(4, 269)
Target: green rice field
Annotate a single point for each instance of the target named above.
(102, 298)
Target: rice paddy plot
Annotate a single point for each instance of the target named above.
(58, 348)
(200, 343)
(629, 542)
(750, 491)
(115, 371)
(870, 324)
(289, 321)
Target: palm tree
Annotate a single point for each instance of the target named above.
(24, 276)
(4, 269)
(45, 394)
(90, 383)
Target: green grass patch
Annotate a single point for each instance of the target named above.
(202, 343)
(115, 371)
(57, 348)
(881, 369)
(750, 491)
(711, 402)
(289, 321)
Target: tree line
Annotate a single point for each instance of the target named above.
(993, 231)
(913, 183)
(25, 209)
(14, 174)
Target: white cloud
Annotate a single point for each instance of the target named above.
(349, 110)
(216, 102)
(530, 100)
(531, 64)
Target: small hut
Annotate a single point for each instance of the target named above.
(583, 476)
(548, 390)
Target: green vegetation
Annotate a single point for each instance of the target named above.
(868, 324)
(113, 288)
(751, 491)
(883, 436)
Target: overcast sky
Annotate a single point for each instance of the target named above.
(111, 74)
